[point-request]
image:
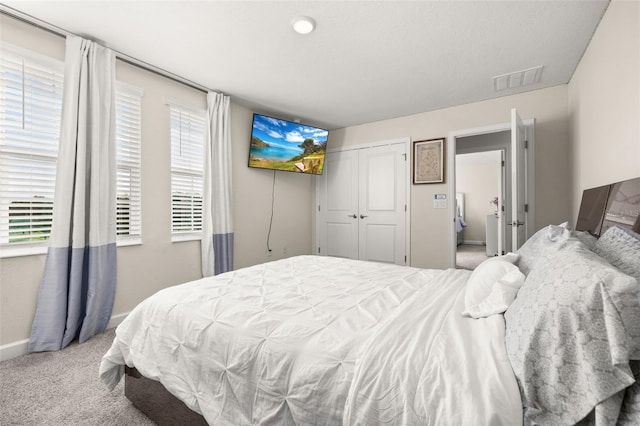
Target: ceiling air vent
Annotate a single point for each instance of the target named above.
(517, 79)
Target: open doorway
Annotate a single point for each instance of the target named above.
(479, 195)
(516, 206)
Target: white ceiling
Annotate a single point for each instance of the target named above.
(366, 61)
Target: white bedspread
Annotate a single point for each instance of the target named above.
(279, 343)
(428, 365)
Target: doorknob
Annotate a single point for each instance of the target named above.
(352, 215)
(362, 216)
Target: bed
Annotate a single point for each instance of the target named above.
(547, 335)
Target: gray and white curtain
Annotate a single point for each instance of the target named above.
(217, 220)
(79, 281)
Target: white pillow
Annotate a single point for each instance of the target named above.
(503, 293)
(481, 282)
(509, 257)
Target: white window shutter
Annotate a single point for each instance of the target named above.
(128, 161)
(187, 169)
(31, 89)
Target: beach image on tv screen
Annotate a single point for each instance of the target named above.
(283, 145)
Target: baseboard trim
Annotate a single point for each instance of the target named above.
(116, 320)
(21, 347)
(14, 350)
(473, 242)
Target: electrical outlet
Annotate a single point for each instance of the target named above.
(269, 253)
(284, 250)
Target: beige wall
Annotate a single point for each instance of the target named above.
(430, 244)
(158, 262)
(479, 181)
(604, 103)
(293, 203)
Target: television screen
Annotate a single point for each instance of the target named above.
(284, 145)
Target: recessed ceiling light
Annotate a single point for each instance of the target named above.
(303, 24)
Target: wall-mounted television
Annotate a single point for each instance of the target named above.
(278, 144)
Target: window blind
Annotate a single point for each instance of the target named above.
(187, 168)
(31, 89)
(128, 142)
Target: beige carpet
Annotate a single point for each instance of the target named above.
(469, 256)
(63, 388)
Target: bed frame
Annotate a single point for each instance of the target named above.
(155, 401)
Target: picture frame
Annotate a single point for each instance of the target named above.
(429, 161)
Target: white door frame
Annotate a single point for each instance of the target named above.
(451, 176)
(407, 143)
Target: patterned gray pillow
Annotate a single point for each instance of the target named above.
(542, 243)
(586, 238)
(621, 248)
(571, 332)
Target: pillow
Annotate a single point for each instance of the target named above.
(621, 247)
(586, 238)
(503, 293)
(571, 333)
(542, 243)
(483, 278)
(509, 257)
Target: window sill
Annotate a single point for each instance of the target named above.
(22, 250)
(178, 238)
(7, 251)
(125, 242)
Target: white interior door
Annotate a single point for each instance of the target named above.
(501, 201)
(382, 204)
(338, 204)
(362, 204)
(518, 181)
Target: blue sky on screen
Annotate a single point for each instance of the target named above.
(283, 133)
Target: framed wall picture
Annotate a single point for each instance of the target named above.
(428, 161)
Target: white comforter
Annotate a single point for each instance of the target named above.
(289, 342)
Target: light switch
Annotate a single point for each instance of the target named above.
(440, 201)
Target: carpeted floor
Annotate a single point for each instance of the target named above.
(469, 256)
(63, 388)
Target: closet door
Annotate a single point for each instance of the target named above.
(382, 204)
(338, 205)
(362, 210)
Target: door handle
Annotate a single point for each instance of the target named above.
(515, 224)
(362, 216)
(352, 215)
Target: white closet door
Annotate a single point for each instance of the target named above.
(338, 205)
(362, 204)
(382, 202)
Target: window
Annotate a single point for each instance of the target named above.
(31, 88)
(128, 141)
(187, 168)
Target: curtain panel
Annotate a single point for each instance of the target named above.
(217, 221)
(79, 280)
